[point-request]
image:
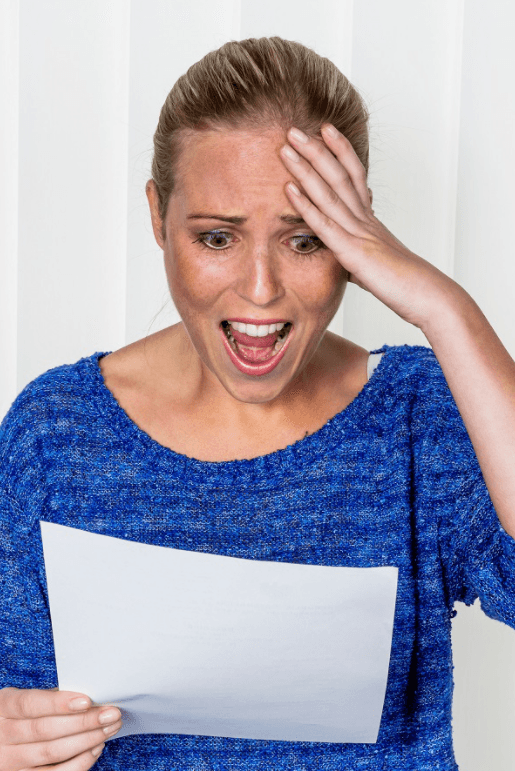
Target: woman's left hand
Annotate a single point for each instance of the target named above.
(334, 202)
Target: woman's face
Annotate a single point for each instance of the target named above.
(239, 261)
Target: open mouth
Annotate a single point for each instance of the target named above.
(254, 346)
(256, 349)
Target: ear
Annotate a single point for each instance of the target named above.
(153, 202)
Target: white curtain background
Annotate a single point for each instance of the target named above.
(81, 87)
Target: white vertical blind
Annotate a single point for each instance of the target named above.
(166, 39)
(72, 162)
(82, 85)
(406, 59)
(9, 89)
(484, 705)
(485, 262)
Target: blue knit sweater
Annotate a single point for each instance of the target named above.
(391, 480)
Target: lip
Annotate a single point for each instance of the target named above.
(257, 322)
(256, 369)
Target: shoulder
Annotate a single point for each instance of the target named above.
(36, 399)
(418, 368)
(436, 422)
(411, 393)
(43, 404)
(421, 367)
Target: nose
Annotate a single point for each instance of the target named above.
(260, 281)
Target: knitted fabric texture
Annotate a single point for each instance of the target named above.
(393, 479)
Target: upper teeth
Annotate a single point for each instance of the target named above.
(254, 330)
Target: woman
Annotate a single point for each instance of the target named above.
(249, 430)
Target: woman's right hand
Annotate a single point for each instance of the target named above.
(39, 729)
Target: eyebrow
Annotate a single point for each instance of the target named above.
(290, 219)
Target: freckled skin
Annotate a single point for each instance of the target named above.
(258, 275)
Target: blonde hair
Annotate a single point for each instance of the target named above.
(256, 83)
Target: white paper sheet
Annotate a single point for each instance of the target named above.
(192, 643)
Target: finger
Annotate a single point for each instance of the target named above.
(52, 727)
(330, 207)
(346, 155)
(330, 232)
(22, 703)
(329, 169)
(82, 762)
(27, 756)
(320, 193)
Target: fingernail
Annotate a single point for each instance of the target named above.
(290, 153)
(109, 716)
(294, 188)
(97, 750)
(111, 729)
(330, 130)
(299, 135)
(76, 704)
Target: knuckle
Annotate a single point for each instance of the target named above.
(345, 180)
(328, 223)
(49, 753)
(35, 730)
(6, 731)
(308, 173)
(318, 149)
(24, 701)
(89, 720)
(332, 197)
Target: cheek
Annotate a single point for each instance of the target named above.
(194, 285)
(322, 285)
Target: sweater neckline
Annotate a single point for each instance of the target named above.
(268, 468)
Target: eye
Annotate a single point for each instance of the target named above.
(308, 244)
(214, 239)
(217, 236)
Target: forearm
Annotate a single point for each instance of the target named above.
(481, 376)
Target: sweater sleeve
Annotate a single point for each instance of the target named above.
(477, 555)
(27, 657)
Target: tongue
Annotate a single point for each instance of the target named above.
(254, 348)
(254, 342)
(255, 354)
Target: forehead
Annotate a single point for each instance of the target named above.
(229, 168)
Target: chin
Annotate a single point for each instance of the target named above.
(254, 392)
